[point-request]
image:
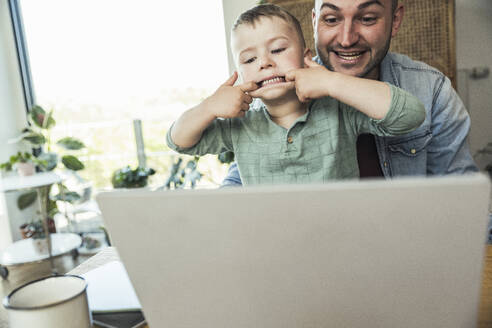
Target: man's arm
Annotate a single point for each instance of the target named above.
(448, 151)
(373, 98)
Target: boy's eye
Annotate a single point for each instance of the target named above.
(276, 51)
(250, 60)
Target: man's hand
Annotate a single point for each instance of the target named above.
(230, 101)
(310, 81)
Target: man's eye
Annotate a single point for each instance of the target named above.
(368, 20)
(276, 51)
(249, 61)
(330, 20)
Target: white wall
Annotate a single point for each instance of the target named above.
(474, 49)
(232, 9)
(13, 117)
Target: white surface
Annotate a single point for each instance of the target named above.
(12, 111)
(24, 251)
(17, 182)
(399, 253)
(110, 289)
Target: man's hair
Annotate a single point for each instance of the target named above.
(394, 4)
(253, 15)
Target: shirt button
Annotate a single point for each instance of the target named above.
(290, 140)
(413, 151)
(385, 164)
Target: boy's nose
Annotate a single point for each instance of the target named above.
(265, 62)
(348, 34)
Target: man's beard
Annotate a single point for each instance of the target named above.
(374, 62)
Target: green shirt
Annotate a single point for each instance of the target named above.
(320, 146)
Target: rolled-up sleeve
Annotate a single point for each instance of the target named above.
(406, 113)
(215, 139)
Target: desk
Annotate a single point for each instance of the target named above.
(485, 313)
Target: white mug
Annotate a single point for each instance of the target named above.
(50, 302)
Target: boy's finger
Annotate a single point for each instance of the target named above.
(231, 80)
(248, 86)
(291, 75)
(310, 63)
(247, 98)
(254, 94)
(244, 106)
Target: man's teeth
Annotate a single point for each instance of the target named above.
(277, 79)
(350, 55)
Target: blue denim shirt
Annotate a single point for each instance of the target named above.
(439, 146)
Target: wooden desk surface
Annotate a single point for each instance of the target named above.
(485, 311)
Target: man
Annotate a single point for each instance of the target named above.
(353, 37)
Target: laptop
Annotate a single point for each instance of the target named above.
(399, 253)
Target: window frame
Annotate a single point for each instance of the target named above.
(22, 54)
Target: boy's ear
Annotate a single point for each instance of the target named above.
(308, 54)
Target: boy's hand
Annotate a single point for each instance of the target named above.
(310, 81)
(231, 101)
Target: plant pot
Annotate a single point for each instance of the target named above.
(40, 245)
(25, 169)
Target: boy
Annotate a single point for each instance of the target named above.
(288, 139)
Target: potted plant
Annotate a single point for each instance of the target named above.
(128, 178)
(48, 156)
(25, 163)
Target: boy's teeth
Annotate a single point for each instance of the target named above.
(274, 80)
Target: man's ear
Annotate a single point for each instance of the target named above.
(397, 19)
(308, 54)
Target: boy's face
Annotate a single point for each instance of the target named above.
(264, 53)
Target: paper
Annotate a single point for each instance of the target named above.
(110, 290)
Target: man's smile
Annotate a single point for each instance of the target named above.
(346, 57)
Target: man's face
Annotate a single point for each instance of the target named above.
(353, 36)
(264, 53)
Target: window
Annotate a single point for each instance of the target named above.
(101, 64)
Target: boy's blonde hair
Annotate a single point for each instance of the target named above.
(253, 15)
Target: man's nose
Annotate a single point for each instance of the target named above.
(348, 35)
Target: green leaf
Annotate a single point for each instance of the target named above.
(40, 118)
(37, 115)
(49, 121)
(68, 196)
(26, 200)
(37, 139)
(72, 163)
(71, 143)
(48, 161)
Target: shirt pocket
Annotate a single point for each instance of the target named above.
(409, 156)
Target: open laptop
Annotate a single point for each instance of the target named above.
(401, 253)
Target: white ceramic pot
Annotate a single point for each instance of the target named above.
(50, 302)
(25, 169)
